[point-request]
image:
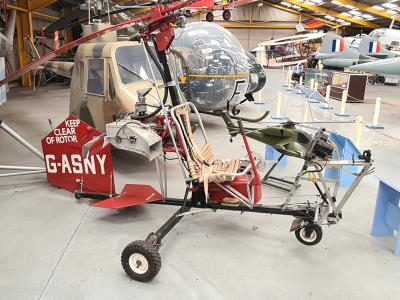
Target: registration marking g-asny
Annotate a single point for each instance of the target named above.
(75, 164)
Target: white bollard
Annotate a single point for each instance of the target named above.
(305, 111)
(327, 97)
(343, 105)
(359, 127)
(300, 84)
(278, 107)
(328, 93)
(376, 115)
(316, 85)
(259, 100)
(289, 79)
(312, 83)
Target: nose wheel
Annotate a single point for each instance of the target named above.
(309, 235)
(141, 261)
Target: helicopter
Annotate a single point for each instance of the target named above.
(83, 155)
(284, 138)
(110, 75)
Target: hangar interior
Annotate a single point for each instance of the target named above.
(110, 190)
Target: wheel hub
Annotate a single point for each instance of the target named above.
(308, 235)
(138, 263)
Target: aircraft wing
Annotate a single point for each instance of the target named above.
(389, 66)
(293, 39)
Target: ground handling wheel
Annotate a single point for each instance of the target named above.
(141, 261)
(309, 235)
(210, 17)
(226, 15)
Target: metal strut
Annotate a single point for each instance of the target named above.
(24, 170)
(276, 182)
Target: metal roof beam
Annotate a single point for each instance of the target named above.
(368, 9)
(333, 13)
(38, 4)
(281, 7)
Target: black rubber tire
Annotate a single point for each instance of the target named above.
(372, 80)
(314, 229)
(380, 79)
(149, 252)
(226, 15)
(210, 17)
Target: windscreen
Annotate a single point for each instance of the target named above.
(133, 66)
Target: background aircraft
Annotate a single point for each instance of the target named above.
(213, 5)
(373, 47)
(335, 54)
(286, 51)
(389, 66)
(389, 38)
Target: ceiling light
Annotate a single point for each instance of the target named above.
(367, 16)
(355, 12)
(337, 3)
(286, 4)
(346, 14)
(349, 6)
(377, 7)
(392, 12)
(389, 5)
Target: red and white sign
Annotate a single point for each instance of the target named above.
(77, 157)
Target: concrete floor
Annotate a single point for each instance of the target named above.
(55, 247)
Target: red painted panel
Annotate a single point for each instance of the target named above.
(131, 195)
(76, 154)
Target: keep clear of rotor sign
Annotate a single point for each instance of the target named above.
(77, 157)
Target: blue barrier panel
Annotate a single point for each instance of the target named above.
(272, 154)
(347, 150)
(387, 212)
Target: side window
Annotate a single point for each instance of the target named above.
(81, 72)
(111, 87)
(95, 81)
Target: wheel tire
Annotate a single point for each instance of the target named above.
(371, 80)
(141, 261)
(226, 15)
(380, 79)
(210, 17)
(309, 235)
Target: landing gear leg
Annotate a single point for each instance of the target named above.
(141, 259)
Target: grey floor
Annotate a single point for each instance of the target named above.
(53, 247)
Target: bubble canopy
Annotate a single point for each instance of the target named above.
(214, 63)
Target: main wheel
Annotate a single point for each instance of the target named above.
(380, 79)
(141, 261)
(210, 16)
(309, 235)
(226, 15)
(371, 80)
